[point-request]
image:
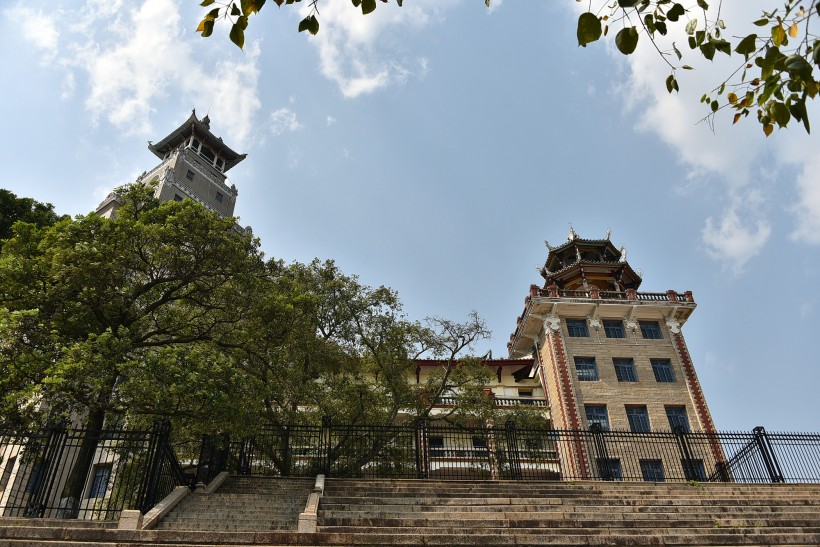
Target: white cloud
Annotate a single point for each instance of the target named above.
(283, 120)
(133, 54)
(494, 5)
(38, 28)
(330, 121)
(733, 240)
(350, 45)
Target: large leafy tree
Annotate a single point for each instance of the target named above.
(774, 78)
(113, 316)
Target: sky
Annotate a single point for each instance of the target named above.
(434, 148)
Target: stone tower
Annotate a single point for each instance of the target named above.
(193, 163)
(608, 354)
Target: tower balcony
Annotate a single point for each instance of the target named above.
(551, 304)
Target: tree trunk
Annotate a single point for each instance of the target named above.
(75, 485)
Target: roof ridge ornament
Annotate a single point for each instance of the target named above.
(572, 234)
(608, 233)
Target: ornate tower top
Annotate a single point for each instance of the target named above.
(196, 133)
(580, 264)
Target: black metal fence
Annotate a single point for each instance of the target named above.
(447, 452)
(66, 472)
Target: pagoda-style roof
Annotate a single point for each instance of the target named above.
(588, 258)
(202, 130)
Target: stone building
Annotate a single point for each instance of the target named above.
(606, 353)
(193, 164)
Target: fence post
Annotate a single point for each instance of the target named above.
(767, 453)
(601, 454)
(159, 437)
(324, 445)
(513, 454)
(206, 456)
(422, 460)
(245, 456)
(689, 471)
(46, 470)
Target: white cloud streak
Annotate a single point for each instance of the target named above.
(283, 120)
(134, 54)
(349, 44)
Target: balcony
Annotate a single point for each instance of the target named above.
(500, 402)
(597, 294)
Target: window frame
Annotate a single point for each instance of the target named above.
(651, 327)
(100, 479)
(663, 371)
(613, 465)
(587, 377)
(604, 423)
(577, 328)
(614, 328)
(625, 369)
(640, 423)
(677, 415)
(652, 470)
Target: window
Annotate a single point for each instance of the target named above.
(479, 442)
(650, 330)
(177, 197)
(693, 470)
(219, 197)
(196, 144)
(207, 154)
(625, 370)
(596, 414)
(652, 470)
(614, 328)
(524, 392)
(610, 469)
(577, 328)
(677, 418)
(189, 175)
(436, 446)
(663, 370)
(101, 475)
(586, 369)
(638, 418)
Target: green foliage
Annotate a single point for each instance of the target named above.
(778, 93)
(14, 209)
(167, 310)
(93, 310)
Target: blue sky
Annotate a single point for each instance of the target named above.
(434, 148)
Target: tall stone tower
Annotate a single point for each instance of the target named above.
(193, 163)
(608, 354)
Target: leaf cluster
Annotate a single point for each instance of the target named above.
(775, 79)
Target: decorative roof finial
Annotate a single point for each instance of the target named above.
(572, 234)
(640, 272)
(608, 233)
(547, 243)
(206, 121)
(623, 254)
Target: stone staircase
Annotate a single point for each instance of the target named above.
(415, 512)
(590, 513)
(243, 504)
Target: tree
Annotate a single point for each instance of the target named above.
(102, 317)
(14, 209)
(775, 78)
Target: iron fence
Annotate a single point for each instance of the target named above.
(66, 472)
(422, 450)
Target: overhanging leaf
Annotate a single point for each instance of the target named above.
(627, 40)
(589, 28)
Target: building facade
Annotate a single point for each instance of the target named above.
(193, 165)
